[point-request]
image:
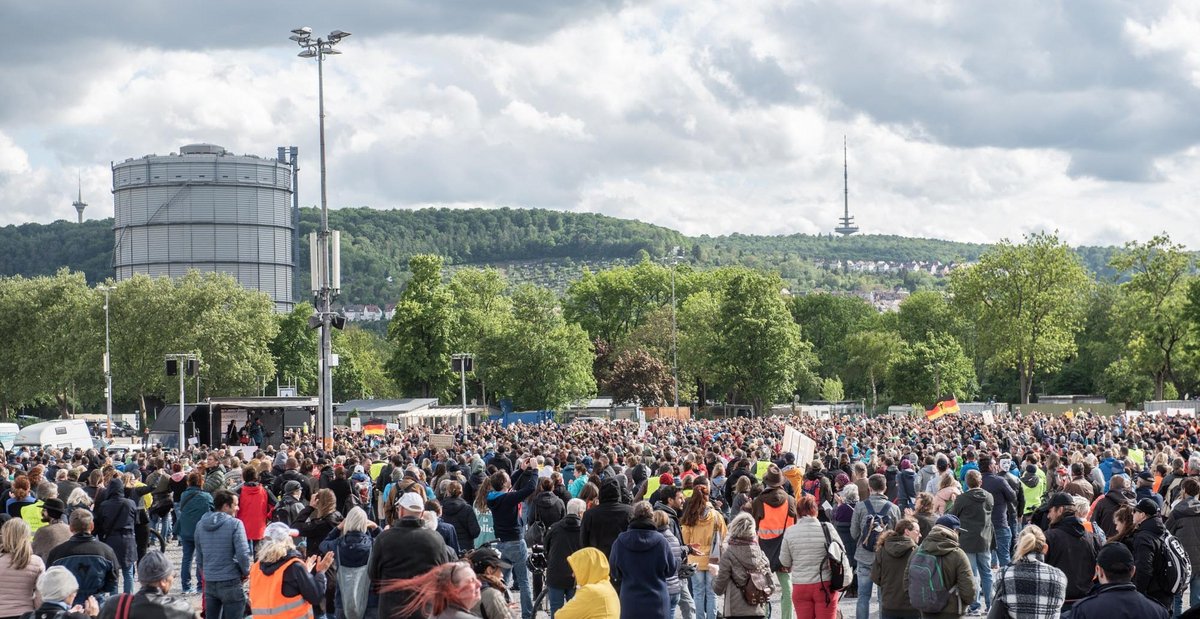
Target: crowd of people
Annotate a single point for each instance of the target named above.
(1023, 516)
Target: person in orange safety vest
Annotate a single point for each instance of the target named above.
(282, 585)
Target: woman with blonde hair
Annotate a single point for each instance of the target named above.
(19, 569)
(704, 531)
(350, 544)
(741, 561)
(1029, 572)
(924, 512)
(948, 490)
(280, 568)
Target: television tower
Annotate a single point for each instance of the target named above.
(847, 226)
(79, 204)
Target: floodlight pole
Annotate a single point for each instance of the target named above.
(107, 366)
(325, 292)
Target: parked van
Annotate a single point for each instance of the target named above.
(62, 434)
(8, 434)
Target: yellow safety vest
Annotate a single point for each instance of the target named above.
(652, 485)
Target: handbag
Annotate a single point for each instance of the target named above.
(758, 588)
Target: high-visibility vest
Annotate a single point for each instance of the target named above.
(32, 514)
(652, 485)
(1138, 456)
(1034, 495)
(775, 521)
(761, 469)
(266, 595)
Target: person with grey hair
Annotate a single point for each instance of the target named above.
(562, 540)
(741, 561)
(84, 554)
(156, 574)
(641, 560)
(58, 589)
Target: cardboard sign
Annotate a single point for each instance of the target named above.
(799, 444)
(355, 424)
(441, 441)
(989, 419)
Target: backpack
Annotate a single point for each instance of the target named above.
(758, 587)
(873, 525)
(1172, 568)
(837, 572)
(812, 487)
(927, 590)
(535, 534)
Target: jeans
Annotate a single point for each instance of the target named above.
(981, 568)
(558, 597)
(1193, 596)
(127, 579)
(674, 605)
(224, 599)
(517, 553)
(162, 525)
(702, 592)
(687, 605)
(189, 557)
(1003, 546)
(785, 594)
(865, 587)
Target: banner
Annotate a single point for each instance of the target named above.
(441, 441)
(799, 444)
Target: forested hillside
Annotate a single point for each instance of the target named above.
(546, 247)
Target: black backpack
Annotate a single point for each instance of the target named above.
(873, 525)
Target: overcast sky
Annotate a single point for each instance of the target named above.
(965, 120)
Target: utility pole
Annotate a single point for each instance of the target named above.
(107, 360)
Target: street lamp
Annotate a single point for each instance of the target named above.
(326, 276)
(674, 258)
(107, 364)
(463, 362)
(183, 364)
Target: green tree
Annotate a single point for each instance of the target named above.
(230, 327)
(871, 355)
(609, 304)
(930, 369)
(925, 313)
(59, 338)
(481, 309)
(1026, 302)
(639, 376)
(832, 390)
(826, 320)
(758, 348)
(420, 332)
(539, 359)
(1151, 308)
(698, 319)
(295, 349)
(361, 371)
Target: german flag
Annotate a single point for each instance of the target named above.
(945, 407)
(376, 427)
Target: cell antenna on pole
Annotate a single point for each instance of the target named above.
(847, 226)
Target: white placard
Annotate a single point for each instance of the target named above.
(193, 441)
(989, 419)
(802, 446)
(392, 427)
(356, 424)
(642, 425)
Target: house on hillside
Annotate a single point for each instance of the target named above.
(389, 311)
(372, 312)
(353, 312)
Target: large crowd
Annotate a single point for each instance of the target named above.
(1020, 516)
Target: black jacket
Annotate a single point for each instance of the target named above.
(314, 529)
(84, 554)
(292, 475)
(547, 509)
(1002, 497)
(1147, 547)
(459, 514)
(1185, 524)
(1118, 601)
(1073, 550)
(150, 603)
(405, 550)
(603, 523)
(1107, 507)
(50, 611)
(562, 540)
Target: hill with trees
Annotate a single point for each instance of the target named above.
(544, 247)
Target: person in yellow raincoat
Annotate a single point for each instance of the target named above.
(595, 597)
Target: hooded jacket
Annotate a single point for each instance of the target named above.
(926, 474)
(595, 597)
(1107, 507)
(641, 561)
(888, 573)
(602, 524)
(221, 548)
(1118, 600)
(1185, 524)
(1147, 547)
(562, 540)
(115, 518)
(974, 509)
(192, 506)
(741, 559)
(1033, 488)
(505, 506)
(906, 488)
(1073, 550)
(1003, 497)
(460, 514)
(943, 543)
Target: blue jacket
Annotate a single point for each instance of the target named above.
(962, 473)
(222, 551)
(641, 560)
(1118, 601)
(504, 505)
(906, 488)
(352, 550)
(193, 504)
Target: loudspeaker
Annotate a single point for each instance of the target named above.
(466, 364)
(192, 367)
(172, 367)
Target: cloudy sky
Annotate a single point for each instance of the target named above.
(966, 119)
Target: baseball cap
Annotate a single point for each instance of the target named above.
(1115, 557)
(1145, 475)
(488, 557)
(949, 521)
(1148, 507)
(277, 531)
(291, 486)
(411, 501)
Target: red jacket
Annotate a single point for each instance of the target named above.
(255, 505)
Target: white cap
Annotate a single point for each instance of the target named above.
(411, 501)
(56, 584)
(277, 531)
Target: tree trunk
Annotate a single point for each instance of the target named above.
(1024, 379)
(874, 394)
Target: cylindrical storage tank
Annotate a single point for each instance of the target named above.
(209, 210)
